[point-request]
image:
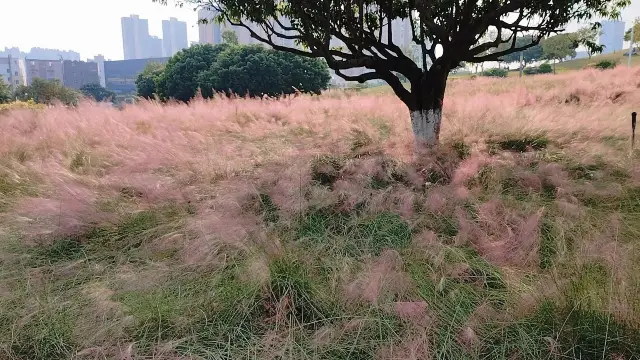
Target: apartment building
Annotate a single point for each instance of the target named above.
(120, 76)
(43, 69)
(12, 71)
(76, 74)
(174, 36)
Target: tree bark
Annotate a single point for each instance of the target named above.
(426, 107)
(426, 126)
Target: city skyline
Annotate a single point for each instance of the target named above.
(64, 30)
(68, 31)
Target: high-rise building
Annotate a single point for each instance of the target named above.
(12, 71)
(135, 37)
(154, 47)
(174, 35)
(401, 34)
(211, 32)
(99, 59)
(611, 35)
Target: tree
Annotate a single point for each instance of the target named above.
(179, 80)
(529, 55)
(365, 27)
(47, 92)
(146, 81)
(5, 92)
(636, 34)
(255, 70)
(97, 92)
(230, 37)
(559, 47)
(588, 37)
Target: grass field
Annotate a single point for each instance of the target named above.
(579, 64)
(311, 228)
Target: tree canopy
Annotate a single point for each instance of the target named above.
(255, 70)
(242, 70)
(97, 92)
(529, 55)
(5, 92)
(636, 33)
(179, 80)
(147, 80)
(358, 34)
(559, 47)
(47, 92)
(588, 37)
(230, 37)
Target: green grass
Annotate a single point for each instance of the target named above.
(578, 64)
(330, 283)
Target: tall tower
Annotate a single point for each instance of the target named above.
(99, 59)
(612, 35)
(210, 33)
(174, 34)
(135, 37)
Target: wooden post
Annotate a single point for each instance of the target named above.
(633, 130)
(521, 61)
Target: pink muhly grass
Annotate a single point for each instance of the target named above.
(415, 346)
(468, 168)
(383, 276)
(177, 152)
(502, 237)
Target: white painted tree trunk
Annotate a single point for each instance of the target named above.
(426, 126)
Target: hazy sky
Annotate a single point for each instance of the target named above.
(92, 27)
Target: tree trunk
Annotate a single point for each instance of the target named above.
(554, 66)
(426, 105)
(426, 126)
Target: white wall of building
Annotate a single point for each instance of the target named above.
(12, 71)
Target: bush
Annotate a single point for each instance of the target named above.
(97, 92)
(545, 68)
(5, 92)
(47, 92)
(496, 72)
(606, 64)
(29, 104)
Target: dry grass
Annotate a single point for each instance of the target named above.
(311, 228)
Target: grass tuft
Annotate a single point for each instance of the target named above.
(520, 144)
(325, 169)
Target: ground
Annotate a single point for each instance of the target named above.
(311, 227)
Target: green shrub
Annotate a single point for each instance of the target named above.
(542, 69)
(545, 68)
(496, 72)
(606, 64)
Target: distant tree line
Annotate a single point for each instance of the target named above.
(229, 68)
(48, 92)
(554, 48)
